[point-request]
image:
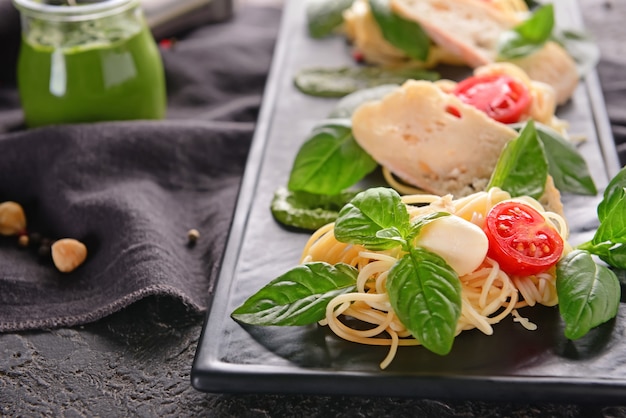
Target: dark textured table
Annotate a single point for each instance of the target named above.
(137, 362)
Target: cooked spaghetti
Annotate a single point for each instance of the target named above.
(488, 294)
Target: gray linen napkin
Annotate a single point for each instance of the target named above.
(131, 190)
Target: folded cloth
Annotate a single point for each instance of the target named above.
(131, 191)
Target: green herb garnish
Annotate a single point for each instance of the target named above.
(529, 36)
(406, 35)
(338, 82)
(330, 160)
(299, 297)
(522, 168)
(307, 210)
(325, 16)
(609, 241)
(567, 167)
(589, 293)
(424, 290)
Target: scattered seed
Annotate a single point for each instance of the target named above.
(23, 241)
(192, 236)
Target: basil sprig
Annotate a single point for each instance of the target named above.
(341, 81)
(325, 16)
(374, 219)
(330, 160)
(567, 167)
(299, 297)
(589, 293)
(308, 211)
(522, 168)
(424, 291)
(406, 35)
(529, 36)
(425, 294)
(609, 241)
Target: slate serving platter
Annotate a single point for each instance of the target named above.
(513, 364)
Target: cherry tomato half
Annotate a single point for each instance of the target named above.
(521, 240)
(501, 97)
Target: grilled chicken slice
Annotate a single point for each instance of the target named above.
(430, 139)
(471, 29)
(467, 28)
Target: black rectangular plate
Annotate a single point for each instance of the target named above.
(512, 364)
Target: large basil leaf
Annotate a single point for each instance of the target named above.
(529, 36)
(615, 191)
(567, 167)
(589, 293)
(324, 16)
(522, 168)
(330, 160)
(609, 241)
(307, 210)
(347, 105)
(370, 212)
(425, 294)
(299, 297)
(338, 82)
(406, 35)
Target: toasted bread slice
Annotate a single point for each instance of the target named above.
(430, 139)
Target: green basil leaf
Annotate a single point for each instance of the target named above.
(421, 221)
(307, 210)
(392, 234)
(370, 212)
(325, 16)
(581, 47)
(589, 293)
(609, 241)
(299, 297)
(529, 36)
(338, 82)
(330, 160)
(347, 105)
(615, 192)
(406, 35)
(425, 294)
(522, 168)
(567, 167)
(611, 236)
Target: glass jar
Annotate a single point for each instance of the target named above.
(87, 61)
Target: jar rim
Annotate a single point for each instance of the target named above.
(68, 13)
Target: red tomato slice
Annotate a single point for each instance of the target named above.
(521, 240)
(501, 97)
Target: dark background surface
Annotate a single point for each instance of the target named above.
(137, 362)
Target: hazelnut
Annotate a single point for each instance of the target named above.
(12, 219)
(68, 254)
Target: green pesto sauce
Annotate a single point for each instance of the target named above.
(106, 81)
